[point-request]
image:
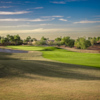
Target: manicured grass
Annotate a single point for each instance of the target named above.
(53, 53)
(29, 76)
(65, 56)
(30, 48)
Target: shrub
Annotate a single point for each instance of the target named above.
(93, 41)
(82, 43)
(41, 42)
(50, 43)
(67, 41)
(70, 43)
(57, 43)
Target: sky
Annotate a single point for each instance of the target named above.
(50, 18)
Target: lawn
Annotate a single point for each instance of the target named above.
(31, 48)
(65, 56)
(29, 76)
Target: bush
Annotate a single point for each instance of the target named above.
(67, 41)
(93, 41)
(50, 43)
(57, 43)
(41, 42)
(70, 43)
(82, 43)
(58, 39)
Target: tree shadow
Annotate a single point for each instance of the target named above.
(10, 67)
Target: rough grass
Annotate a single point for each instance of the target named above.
(65, 56)
(41, 79)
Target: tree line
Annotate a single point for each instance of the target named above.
(80, 43)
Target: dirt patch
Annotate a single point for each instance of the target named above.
(95, 47)
(80, 50)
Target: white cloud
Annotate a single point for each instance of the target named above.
(15, 26)
(19, 26)
(55, 16)
(64, 1)
(36, 8)
(30, 20)
(86, 21)
(5, 2)
(45, 24)
(58, 2)
(62, 19)
(13, 13)
(6, 6)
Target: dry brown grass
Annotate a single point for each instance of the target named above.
(52, 89)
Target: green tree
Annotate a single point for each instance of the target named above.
(65, 40)
(82, 43)
(98, 39)
(3, 40)
(41, 42)
(28, 39)
(70, 43)
(43, 38)
(33, 39)
(0, 37)
(58, 39)
(11, 39)
(93, 40)
(17, 39)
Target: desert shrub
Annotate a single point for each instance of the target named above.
(70, 43)
(82, 43)
(67, 41)
(92, 41)
(58, 39)
(58, 43)
(98, 39)
(50, 43)
(44, 39)
(41, 42)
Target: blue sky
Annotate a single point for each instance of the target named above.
(50, 18)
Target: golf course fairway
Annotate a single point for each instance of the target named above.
(30, 76)
(65, 56)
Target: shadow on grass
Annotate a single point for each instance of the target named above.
(10, 67)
